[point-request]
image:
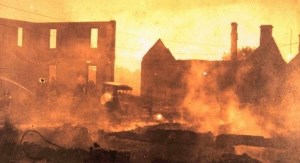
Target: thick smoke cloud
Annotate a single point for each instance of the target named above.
(221, 99)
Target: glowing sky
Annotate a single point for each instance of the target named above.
(189, 28)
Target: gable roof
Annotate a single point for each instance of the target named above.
(295, 61)
(159, 52)
(268, 53)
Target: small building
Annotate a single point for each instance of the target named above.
(158, 73)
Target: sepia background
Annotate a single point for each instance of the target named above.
(190, 29)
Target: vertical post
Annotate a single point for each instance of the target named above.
(291, 42)
(234, 37)
(299, 45)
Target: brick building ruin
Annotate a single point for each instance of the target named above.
(67, 53)
(254, 79)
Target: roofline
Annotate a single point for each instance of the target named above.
(118, 85)
(57, 22)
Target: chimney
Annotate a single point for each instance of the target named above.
(234, 38)
(265, 34)
(299, 46)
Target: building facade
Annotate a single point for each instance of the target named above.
(67, 53)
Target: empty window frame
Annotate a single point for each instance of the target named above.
(92, 73)
(52, 38)
(20, 37)
(52, 73)
(94, 37)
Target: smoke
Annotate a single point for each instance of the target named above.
(128, 77)
(247, 100)
(221, 99)
(62, 121)
(69, 120)
(291, 101)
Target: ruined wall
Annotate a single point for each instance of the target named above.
(159, 80)
(71, 56)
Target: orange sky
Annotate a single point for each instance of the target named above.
(198, 29)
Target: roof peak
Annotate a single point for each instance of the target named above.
(268, 52)
(159, 50)
(159, 42)
(159, 45)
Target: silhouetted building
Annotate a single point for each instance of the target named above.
(158, 73)
(253, 79)
(264, 79)
(66, 53)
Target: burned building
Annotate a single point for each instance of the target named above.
(65, 53)
(253, 79)
(158, 75)
(291, 86)
(295, 62)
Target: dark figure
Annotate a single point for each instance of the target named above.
(79, 95)
(149, 105)
(91, 89)
(114, 109)
(8, 99)
(53, 91)
(5, 100)
(80, 91)
(42, 90)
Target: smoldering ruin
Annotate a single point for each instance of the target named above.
(60, 102)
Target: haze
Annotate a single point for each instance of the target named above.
(190, 29)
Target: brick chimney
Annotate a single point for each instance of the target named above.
(299, 45)
(234, 38)
(265, 34)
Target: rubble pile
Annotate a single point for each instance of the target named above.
(169, 142)
(173, 142)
